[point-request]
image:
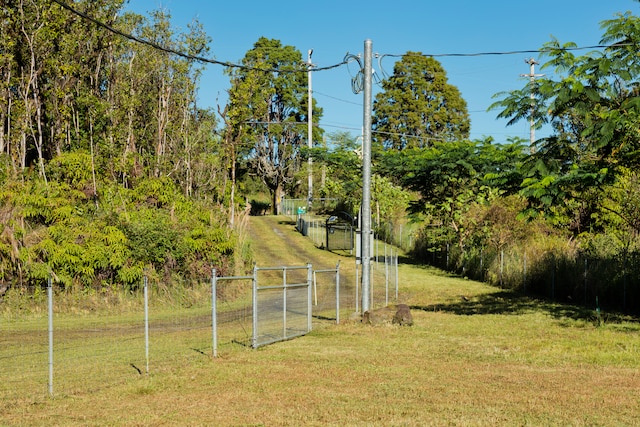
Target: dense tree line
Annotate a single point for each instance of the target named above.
(110, 168)
(566, 203)
(68, 85)
(108, 165)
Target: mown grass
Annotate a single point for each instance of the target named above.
(476, 356)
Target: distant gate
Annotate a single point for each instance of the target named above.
(339, 234)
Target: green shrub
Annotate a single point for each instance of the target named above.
(54, 230)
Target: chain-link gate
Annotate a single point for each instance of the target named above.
(281, 303)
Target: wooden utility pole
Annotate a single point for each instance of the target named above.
(532, 77)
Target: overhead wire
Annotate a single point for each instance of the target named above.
(348, 58)
(182, 54)
(512, 52)
(337, 99)
(357, 81)
(497, 53)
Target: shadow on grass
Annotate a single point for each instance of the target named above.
(509, 302)
(287, 222)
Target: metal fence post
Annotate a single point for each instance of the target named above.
(396, 263)
(146, 322)
(357, 290)
(482, 264)
(284, 302)
(371, 299)
(254, 298)
(501, 266)
(386, 276)
(309, 307)
(214, 309)
(50, 311)
(338, 293)
(447, 265)
(315, 289)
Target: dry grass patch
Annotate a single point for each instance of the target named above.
(447, 369)
(476, 356)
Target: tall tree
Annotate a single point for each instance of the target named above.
(418, 106)
(593, 104)
(7, 71)
(268, 100)
(33, 30)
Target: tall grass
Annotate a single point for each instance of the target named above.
(550, 267)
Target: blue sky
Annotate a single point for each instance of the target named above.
(332, 28)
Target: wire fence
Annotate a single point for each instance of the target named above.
(314, 228)
(336, 234)
(54, 352)
(295, 207)
(612, 283)
(51, 352)
(65, 344)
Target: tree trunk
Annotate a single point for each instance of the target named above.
(163, 121)
(5, 117)
(32, 96)
(276, 197)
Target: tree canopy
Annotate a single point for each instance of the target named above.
(450, 177)
(268, 100)
(418, 106)
(592, 102)
(108, 165)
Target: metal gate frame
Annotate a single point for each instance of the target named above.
(309, 284)
(336, 271)
(256, 341)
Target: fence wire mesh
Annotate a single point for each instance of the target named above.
(100, 348)
(281, 303)
(96, 349)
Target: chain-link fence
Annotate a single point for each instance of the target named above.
(294, 207)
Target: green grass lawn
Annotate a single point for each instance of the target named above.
(475, 356)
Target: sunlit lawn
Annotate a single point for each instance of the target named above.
(476, 355)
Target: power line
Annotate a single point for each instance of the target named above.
(338, 99)
(410, 136)
(512, 52)
(182, 54)
(345, 61)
